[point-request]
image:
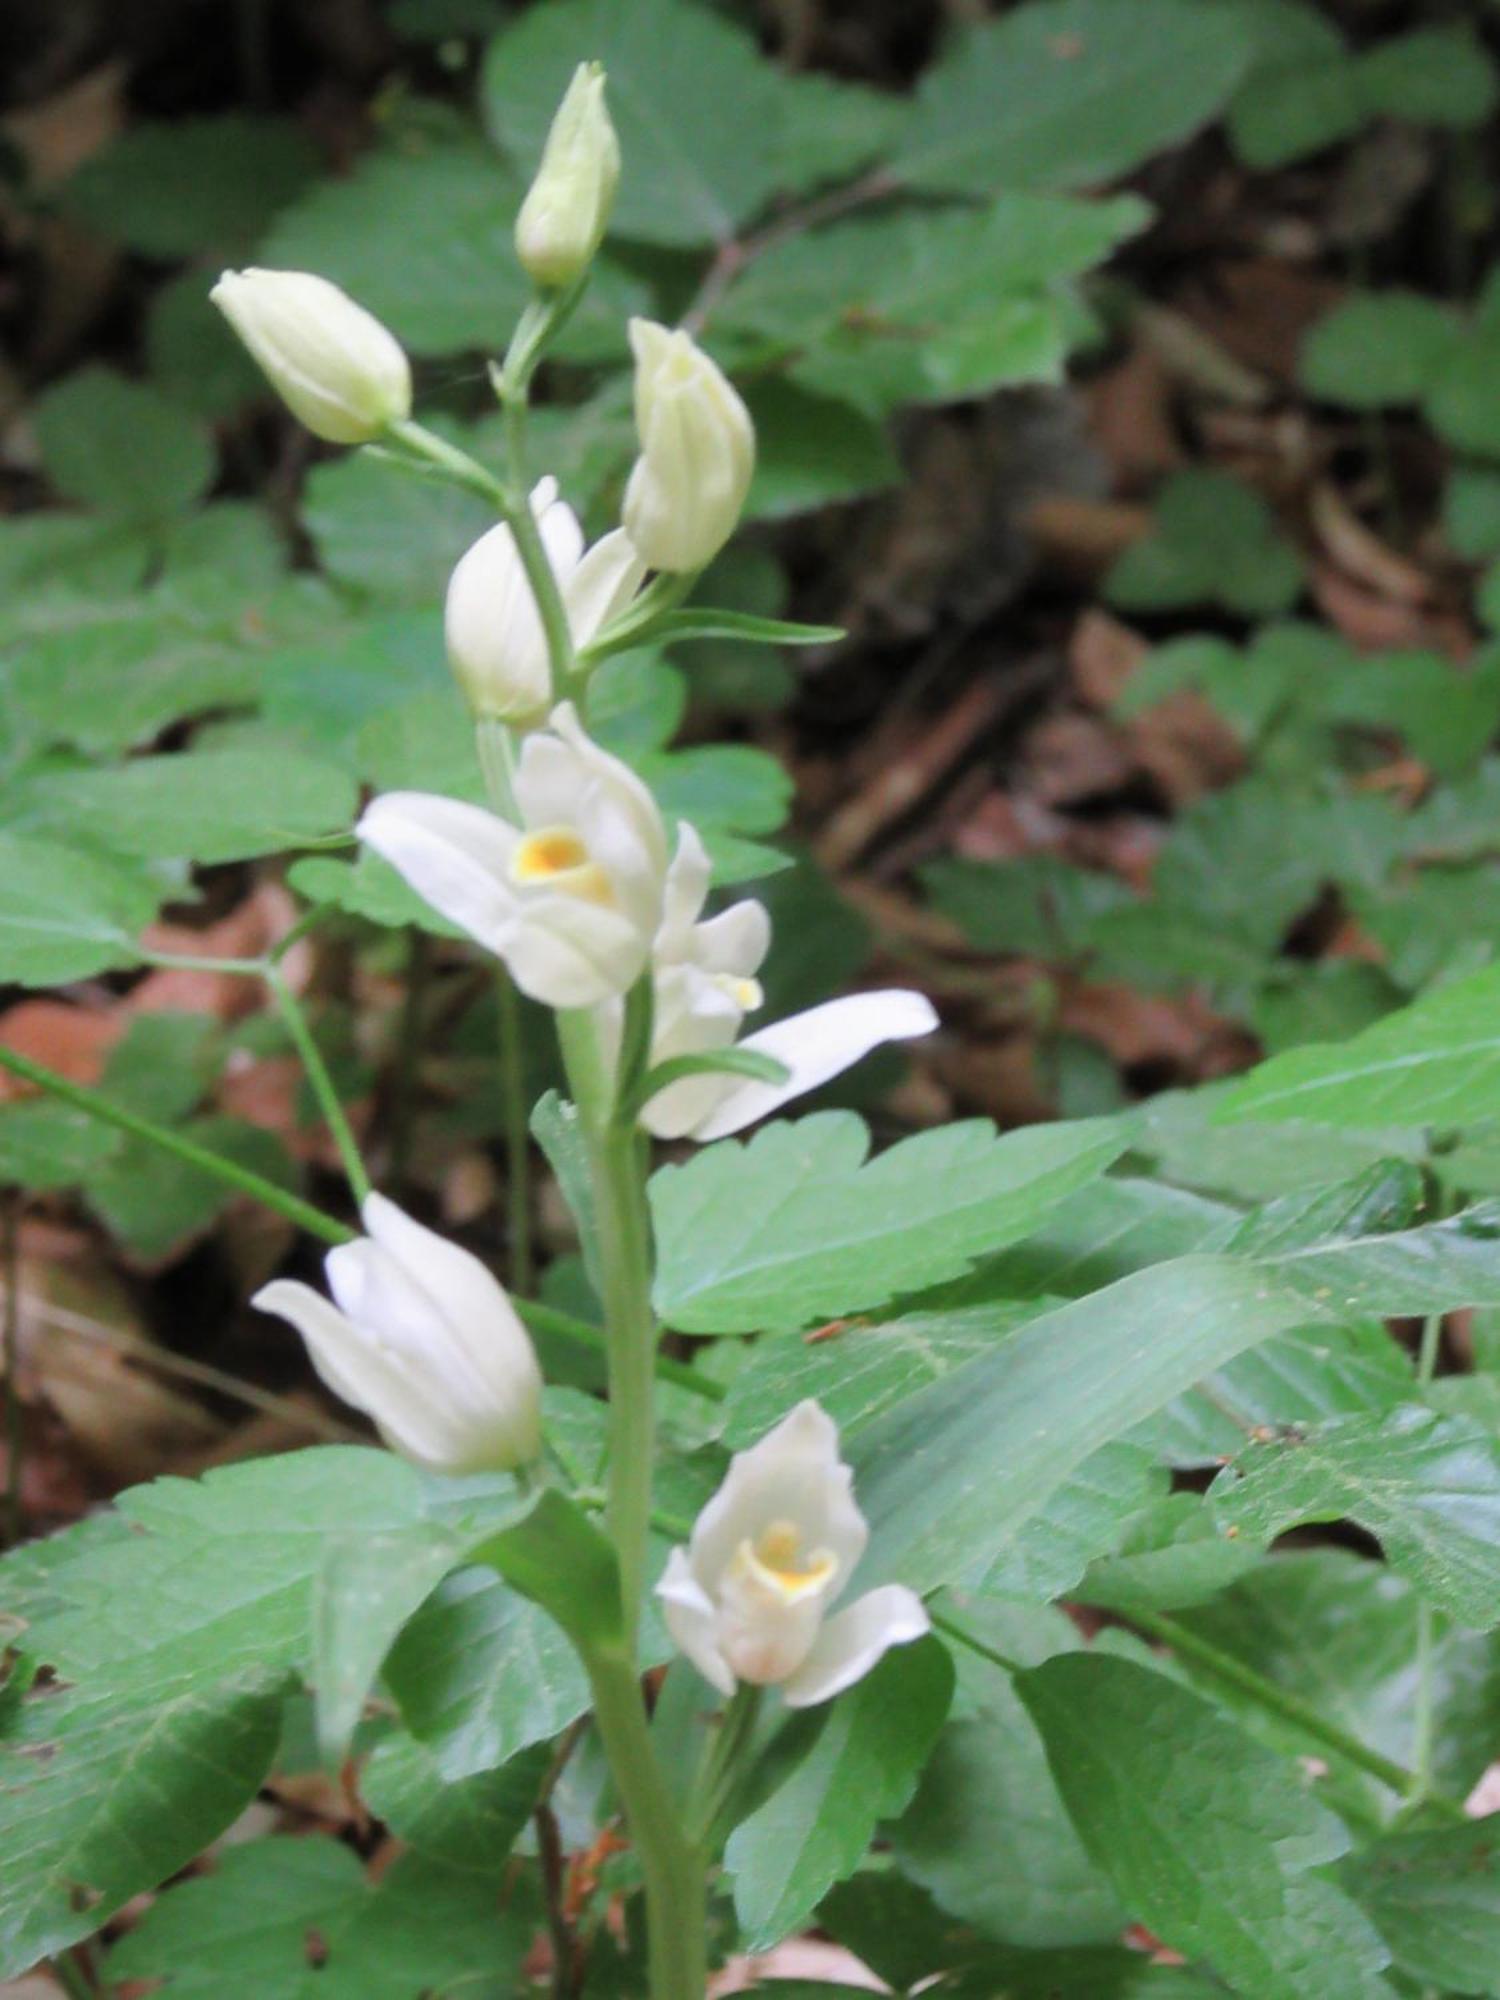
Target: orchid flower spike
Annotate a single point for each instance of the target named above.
(747, 1599)
(424, 1340)
(705, 985)
(496, 643)
(572, 897)
(332, 363)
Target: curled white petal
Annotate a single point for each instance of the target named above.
(456, 856)
(853, 1640)
(815, 1046)
(692, 1621)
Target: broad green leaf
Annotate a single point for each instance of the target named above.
(154, 1203)
(696, 109)
(1214, 542)
(1342, 1632)
(1378, 348)
(1426, 1486)
(904, 1937)
(987, 1834)
(173, 1647)
(811, 452)
(860, 1768)
(1209, 1838)
(1040, 906)
(368, 888)
(480, 1675)
(467, 1826)
(1065, 93)
(1433, 76)
(121, 447)
(387, 533)
(196, 184)
(1459, 405)
(208, 805)
(289, 1919)
(830, 128)
(1082, 1520)
(1471, 511)
(859, 1371)
(46, 1144)
(1171, 1555)
(193, 355)
(1435, 1899)
(950, 1476)
(1303, 90)
(66, 913)
(890, 308)
(1436, 1062)
(799, 1224)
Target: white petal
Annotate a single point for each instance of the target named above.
(691, 1620)
(815, 1046)
(455, 856)
(626, 795)
(853, 1640)
(408, 1415)
(736, 941)
(562, 537)
(602, 584)
(792, 1474)
(685, 893)
(493, 631)
(477, 1312)
(565, 952)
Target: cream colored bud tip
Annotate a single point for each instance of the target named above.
(332, 363)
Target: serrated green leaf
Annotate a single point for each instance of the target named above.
(1426, 1486)
(1378, 348)
(1067, 93)
(1215, 542)
(196, 184)
(208, 806)
(468, 1826)
(1433, 1063)
(860, 1768)
(797, 1224)
(121, 447)
(247, 1927)
(66, 913)
(1146, 1767)
(175, 1644)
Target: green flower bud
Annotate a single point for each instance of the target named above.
(566, 212)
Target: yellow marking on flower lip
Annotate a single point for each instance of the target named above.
(747, 994)
(555, 857)
(778, 1559)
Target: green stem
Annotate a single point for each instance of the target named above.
(313, 1220)
(322, 1083)
(1422, 1724)
(721, 1765)
(1290, 1708)
(671, 1870)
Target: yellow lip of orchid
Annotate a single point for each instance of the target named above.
(556, 857)
(779, 1562)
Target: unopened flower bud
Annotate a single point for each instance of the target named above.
(422, 1338)
(697, 452)
(566, 211)
(332, 363)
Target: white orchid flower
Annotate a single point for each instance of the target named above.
(332, 363)
(423, 1339)
(572, 897)
(687, 489)
(748, 1598)
(705, 984)
(496, 643)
